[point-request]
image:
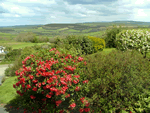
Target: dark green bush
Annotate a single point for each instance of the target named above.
(117, 79)
(79, 42)
(13, 54)
(110, 36)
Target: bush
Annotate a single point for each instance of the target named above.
(99, 44)
(44, 55)
(27, 37)
(110, 36)
(133, 39)
(79, 42)
(13, 54)
(53, 40)
(42, 39)
(117, 79)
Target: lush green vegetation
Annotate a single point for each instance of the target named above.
(118, 80)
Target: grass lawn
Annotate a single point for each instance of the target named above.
(17, 45)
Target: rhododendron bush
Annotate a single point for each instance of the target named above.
(53, 77)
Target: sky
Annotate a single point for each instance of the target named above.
(35, 12)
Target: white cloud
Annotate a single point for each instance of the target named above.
(10, 15)
(60, 11)
(17, 16)
(53, 17)
(12, 8)
(33, 1)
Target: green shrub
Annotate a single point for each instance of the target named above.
(42, 39)
(13, 54)
(18, 62)
(79, 42)
(110, 36)
(99, 44)
(26, 37)
(8, 71)
(117, 79)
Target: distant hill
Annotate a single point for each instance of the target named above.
(140, 23)
(132, 22)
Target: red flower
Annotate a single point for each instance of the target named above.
(58, 102)
(32, 97)
(28, 86)
(42, 92)
(17, 84)
(14, 86)
(77, 88)
(48, 96)
(67, 95)
(43, 83)
(34, 89)
(23, 85)
(86, 81)
(73, 105)
(81, 110)
(35, 81)
(87, 109)
(31, 77)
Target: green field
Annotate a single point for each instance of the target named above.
(17, 45)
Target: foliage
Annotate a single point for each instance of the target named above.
(79, 42)
(18, 62)
(13, 54)
(42, 39)
(38, 59)
(99, 44)
(110, 36)
(24, 52)
(117, 79)
(26, 37)
(134, 39)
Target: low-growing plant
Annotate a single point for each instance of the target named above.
(117, 80)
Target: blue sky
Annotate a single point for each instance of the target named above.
(33, 12)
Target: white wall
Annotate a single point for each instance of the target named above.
(1, 49)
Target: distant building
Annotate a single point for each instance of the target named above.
(2, 49)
